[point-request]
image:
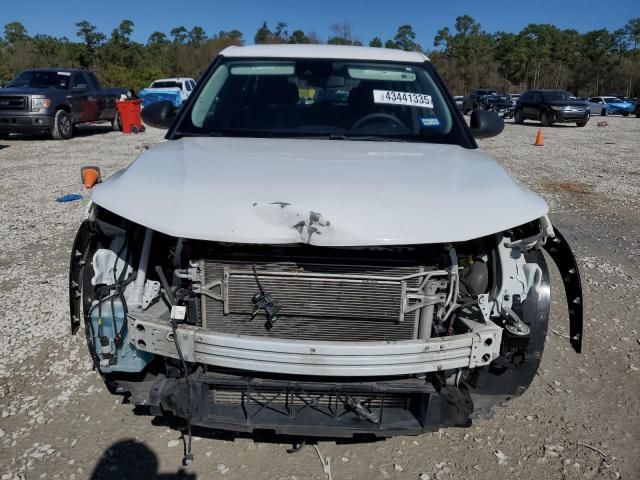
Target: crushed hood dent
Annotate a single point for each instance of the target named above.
(321, 192)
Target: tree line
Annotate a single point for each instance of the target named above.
(539, 56)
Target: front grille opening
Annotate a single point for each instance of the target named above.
(329, 309)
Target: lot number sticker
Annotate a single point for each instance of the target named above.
(402, 98)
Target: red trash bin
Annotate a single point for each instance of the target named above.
(130, 115)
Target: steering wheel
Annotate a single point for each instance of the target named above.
(372, 116)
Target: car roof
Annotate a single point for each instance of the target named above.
(174, 79)
(333, 52)
(54, 69)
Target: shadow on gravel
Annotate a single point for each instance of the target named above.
(133, 460)
(80, 131)
(538, 125)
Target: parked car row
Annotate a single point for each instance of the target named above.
(547, 106)
(56, 100)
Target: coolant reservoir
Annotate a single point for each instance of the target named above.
(111, 339)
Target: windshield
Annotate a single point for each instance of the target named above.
(165, 85)
(41, 79)
(324, 99)
(558, 95)
(613, 100)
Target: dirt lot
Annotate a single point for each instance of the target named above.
(580, 418)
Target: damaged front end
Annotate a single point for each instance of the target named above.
(306, 340)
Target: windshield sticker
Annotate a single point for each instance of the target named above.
(402, 98)
(430, 122)
(68, 74)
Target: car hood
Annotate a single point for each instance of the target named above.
(28, 90)
(620, 104)
(321, 192)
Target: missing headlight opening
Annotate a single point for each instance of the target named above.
(339, 289)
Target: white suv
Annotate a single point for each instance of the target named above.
(319, 248)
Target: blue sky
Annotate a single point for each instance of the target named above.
(368, 18)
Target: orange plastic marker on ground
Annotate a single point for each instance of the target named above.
(90, 176)
(539, 139)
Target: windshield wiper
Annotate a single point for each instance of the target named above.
(369, 138)
(199, 134)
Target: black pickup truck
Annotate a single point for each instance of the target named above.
(54, 100)
(483, 99)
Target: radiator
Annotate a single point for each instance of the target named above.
(320, 301)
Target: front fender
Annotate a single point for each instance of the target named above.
(79, 254)
(560, 251)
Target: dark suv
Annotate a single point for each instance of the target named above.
(551, 106)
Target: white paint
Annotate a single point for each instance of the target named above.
(333, 52)
(323, 358)
(367, 193)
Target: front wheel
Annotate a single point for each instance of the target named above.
(581, 124)
(625, 114)
(544, 119)
(62, 126)
(603, 112)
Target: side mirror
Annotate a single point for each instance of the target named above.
(486, 124)
(81, 87)
(159, 114)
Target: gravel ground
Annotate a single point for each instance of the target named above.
(579, 419)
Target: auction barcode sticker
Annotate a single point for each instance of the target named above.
(402, 98)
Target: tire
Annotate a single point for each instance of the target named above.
(517, 117)
(637, 112)
(62, 126)
(603, 112)
(625, 114)
(581, 124)
(116, 126)
(544, 119)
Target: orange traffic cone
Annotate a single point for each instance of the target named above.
(90, 176)
(539, 139)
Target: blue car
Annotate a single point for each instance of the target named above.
(610, 105)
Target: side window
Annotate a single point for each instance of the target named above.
(596, 100)
(187, 84)
(93, 81)
(78, 80)
(193, 84)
